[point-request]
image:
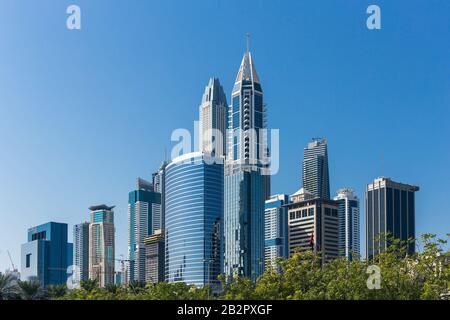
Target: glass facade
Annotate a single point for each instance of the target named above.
(390, 210)
(81, 250)
(144, 218)
(349, 220)
(47, 254)
(275, 229)
(315, 173)
(244, 224)
(194, 211)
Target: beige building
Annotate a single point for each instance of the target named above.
(313, 225)
(101, 245)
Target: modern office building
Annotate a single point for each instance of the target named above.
(159, 185)
(313, 224)
(102, 245)
(144, 217)
(47, 254)
(349, 230)
(276, 229)
(245, 184)
(315, 174)
(390, 210)
(213, 119)
(194, 211)
(155, 257)
(81, 251)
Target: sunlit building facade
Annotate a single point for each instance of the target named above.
(194, 211)
(102, 245)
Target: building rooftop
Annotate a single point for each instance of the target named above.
(101, 207)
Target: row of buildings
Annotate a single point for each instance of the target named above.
(211, 212)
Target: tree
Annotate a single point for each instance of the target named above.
(57, 291)
(8, 286)
(31, 290)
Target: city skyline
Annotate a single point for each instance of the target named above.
(69, 144)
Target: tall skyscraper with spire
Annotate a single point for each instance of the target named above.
(213, 119)
(244, 180)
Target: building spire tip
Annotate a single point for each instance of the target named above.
(247, 35)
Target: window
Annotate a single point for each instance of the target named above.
(28, 260)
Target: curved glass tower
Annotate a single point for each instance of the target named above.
(194, 211)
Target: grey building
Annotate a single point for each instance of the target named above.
(315, 176)
(390, 209)
(154, 259)
(349, 221)
(81, 250)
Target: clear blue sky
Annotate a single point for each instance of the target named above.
(83, 113)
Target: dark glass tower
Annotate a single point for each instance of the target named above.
(390, 209)
(315, 169)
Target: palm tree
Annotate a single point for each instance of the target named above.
(31, 290)
(89, 284)
(8, 286)
(57, 291)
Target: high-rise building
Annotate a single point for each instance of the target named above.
(102, 245)
(349, 243)
(276, 229)
(155, 257)
(47, 254)
(390, 211)
(194, 211)
(313, 225)
(144, 217)
(315, 169)
(213, 119)
(245, 184)
(81, 251)
(159, 185)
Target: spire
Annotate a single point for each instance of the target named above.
(248, 42)
(247, 70)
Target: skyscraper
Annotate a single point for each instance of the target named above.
(194, 211)
(213, 119)
(47, 254)
(390, 209)
(245, 183)
(315, 169)
(144, 217)
(81, 251)
(101, 245)
(276, 229)
(155, 257)
(349, 243)
(159, 185)
(313, 225)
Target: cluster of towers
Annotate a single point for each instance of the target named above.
(211, 212)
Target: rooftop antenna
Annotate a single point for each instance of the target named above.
(247, 35)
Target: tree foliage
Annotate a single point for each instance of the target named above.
(423, 275)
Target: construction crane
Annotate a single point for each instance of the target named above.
(12, 263)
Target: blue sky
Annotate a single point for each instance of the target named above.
(83, 113)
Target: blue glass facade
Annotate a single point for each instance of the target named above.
(276, 229)
(194, 211)
(144, 218)
(244, 224)
(47, 254)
